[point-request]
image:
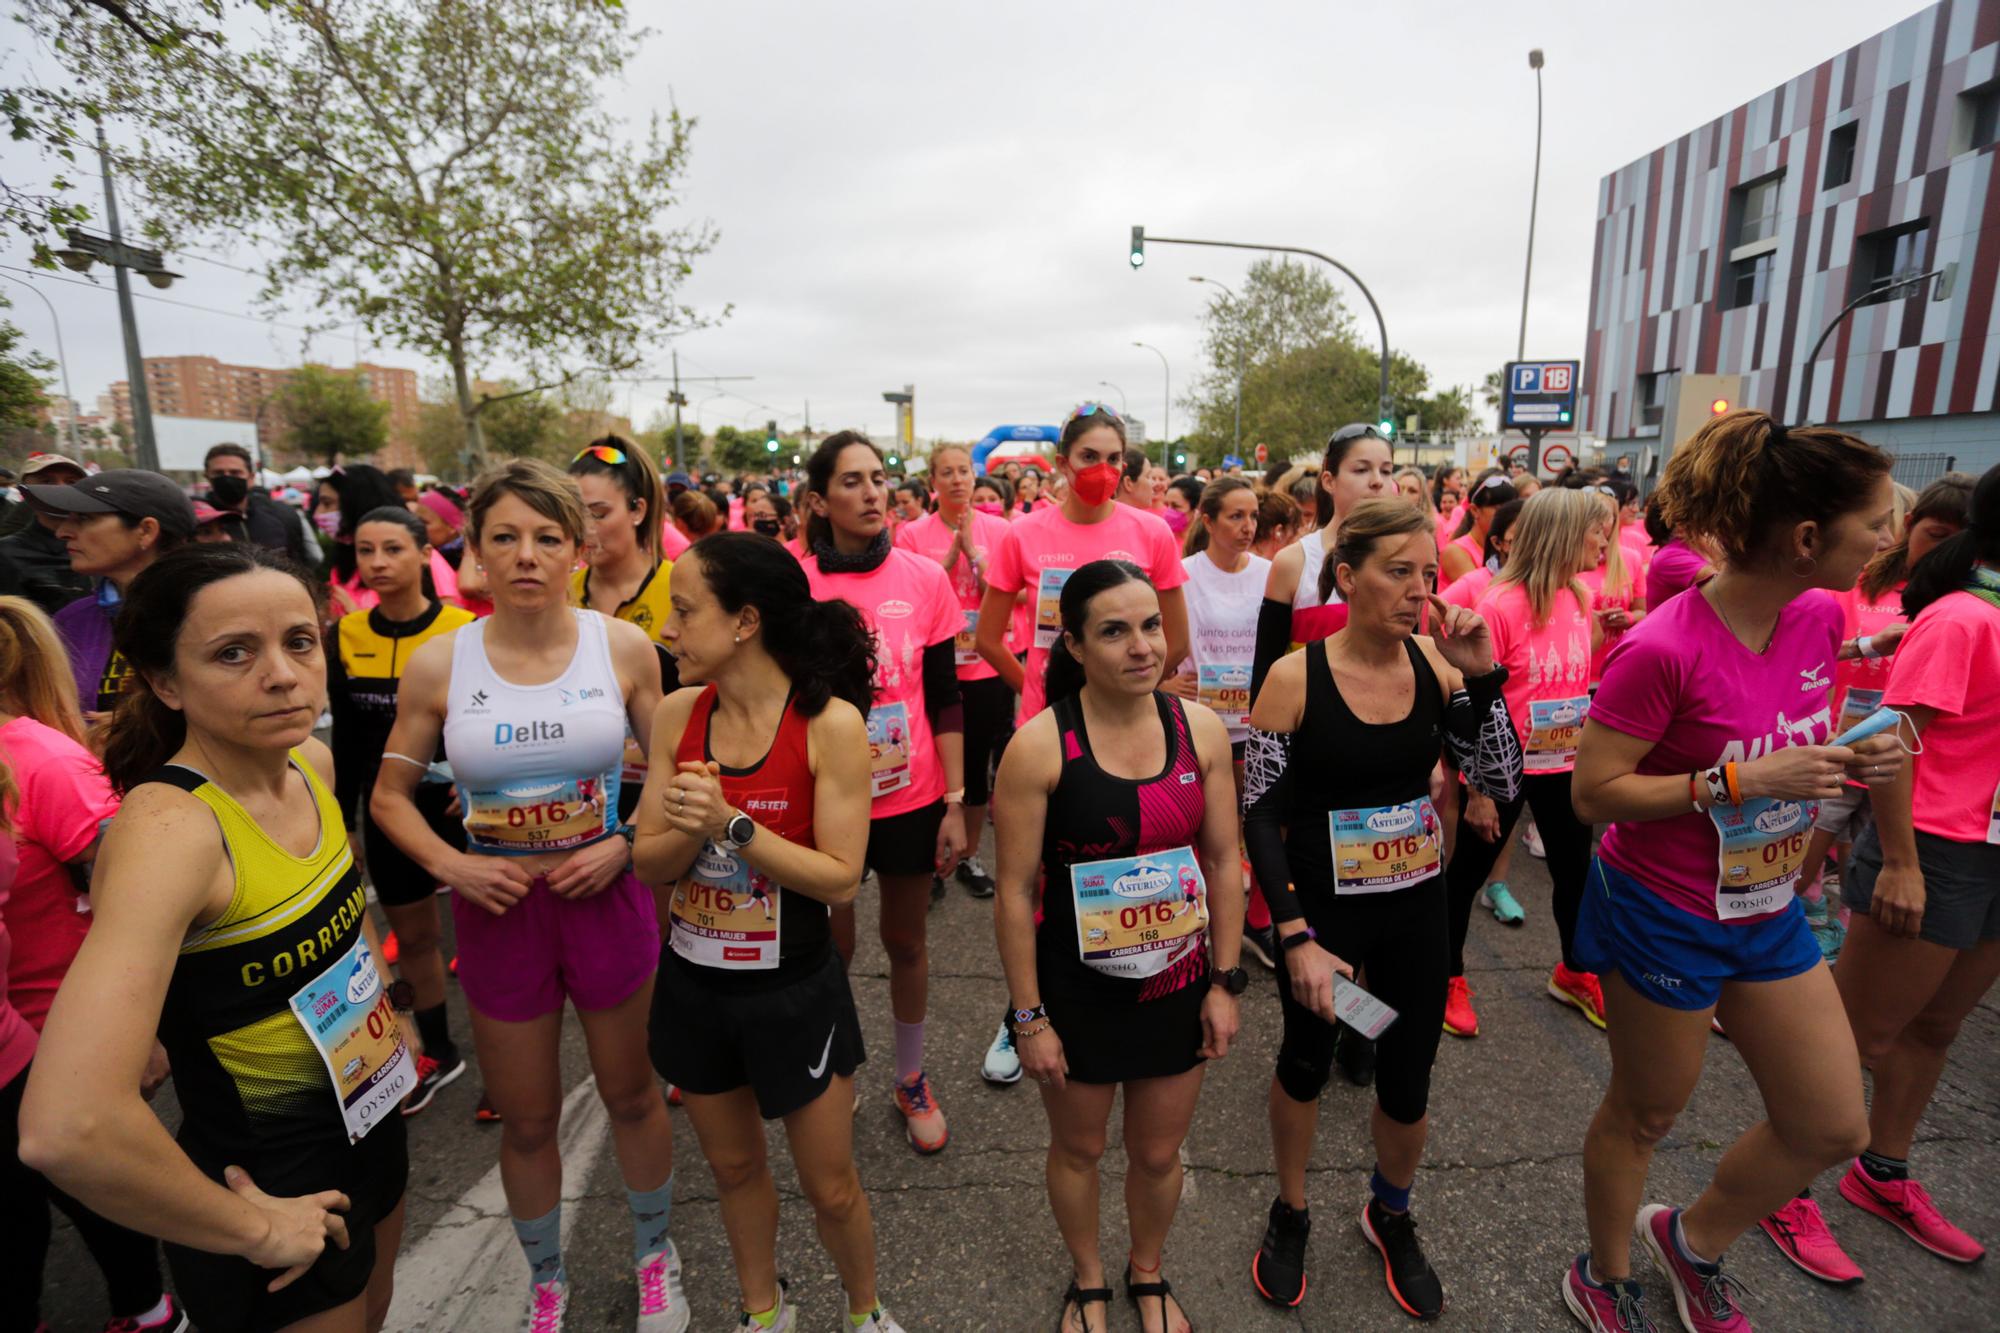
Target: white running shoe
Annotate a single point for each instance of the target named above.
(548, 1303)
(1003, 1062)
(786, 1322)
(663, 1306)
(1531, 838)
(877, 1322)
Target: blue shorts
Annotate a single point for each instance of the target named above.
(1675, 958)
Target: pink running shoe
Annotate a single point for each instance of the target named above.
(1705, 1297)
(921, 1116)
(1802, 1236)
(1605, 1307)
(1906, 1205)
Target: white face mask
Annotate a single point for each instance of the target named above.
(328, 522)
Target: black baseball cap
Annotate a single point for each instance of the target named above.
(126, 490)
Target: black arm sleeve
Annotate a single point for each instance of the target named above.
(1267, 804)
(344, 740)
(1274, 640)
(1482, 738)
(942, 703)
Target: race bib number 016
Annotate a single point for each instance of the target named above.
(1385, 847)
(1763, 848)
(724, 914)
(1136, 916)
(1225, 688)
(346, 1013)
(1048, 606)
(1554, 728)
(523, 818)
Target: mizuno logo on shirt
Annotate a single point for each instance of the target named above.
(1812, 679)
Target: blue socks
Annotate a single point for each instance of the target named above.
(541, 1241)
(1391, 1198)
(651, 1211)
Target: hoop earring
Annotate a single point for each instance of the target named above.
(1811, 565)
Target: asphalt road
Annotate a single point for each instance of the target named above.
(966, 1241)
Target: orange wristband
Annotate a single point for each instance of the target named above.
(1729, 776)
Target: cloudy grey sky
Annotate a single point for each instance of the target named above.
(940, 194)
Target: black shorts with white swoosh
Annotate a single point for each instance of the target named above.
(787, 1045)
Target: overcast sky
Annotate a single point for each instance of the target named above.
(941, 194)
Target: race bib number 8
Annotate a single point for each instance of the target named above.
(1385, 847)
(1136, 916)
(346, 1013)
(1048, 606)
(1763, 848)
(523, 818)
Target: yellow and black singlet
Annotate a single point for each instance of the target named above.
(276, 1019)
(364, 674)
(647, 608)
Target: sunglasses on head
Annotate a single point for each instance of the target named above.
(1360, 430)
(1497, 479)
(1090, 410)
(603, 453)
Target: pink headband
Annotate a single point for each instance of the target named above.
(442, 505)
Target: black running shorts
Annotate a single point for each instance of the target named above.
(399, 881)
(905, 844)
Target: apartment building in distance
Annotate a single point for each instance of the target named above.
(204, 387)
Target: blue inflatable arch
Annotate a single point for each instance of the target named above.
(1000, 435)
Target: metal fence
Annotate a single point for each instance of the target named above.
(1919, 470)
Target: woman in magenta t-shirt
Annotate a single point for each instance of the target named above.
(916, 738)
(1539, 615)
(1043, 549)
(1705, 749)
(1923, 948)
(1466, 550)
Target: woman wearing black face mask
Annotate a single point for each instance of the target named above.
(760, 511)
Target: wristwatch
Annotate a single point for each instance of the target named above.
(1232, 979)
(736, 834)
(402, 995)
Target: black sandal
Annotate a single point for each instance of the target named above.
(1081, 1297)
(1139, 1291)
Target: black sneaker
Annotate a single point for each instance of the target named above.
(1404, 1268)
(974, 877)
(1355, 1055)
(431, 1076)
(1261, 943)
(1278, 1269)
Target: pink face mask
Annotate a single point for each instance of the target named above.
(1177, 519)
(989, 507)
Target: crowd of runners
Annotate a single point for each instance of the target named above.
(650, 734)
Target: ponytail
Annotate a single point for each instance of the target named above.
(1065, 679)
(825, 648)
(35, 679)
(141, 737)
(1949, 565)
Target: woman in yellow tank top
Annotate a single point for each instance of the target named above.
(229, 918)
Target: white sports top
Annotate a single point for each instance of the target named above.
(537, 765)
(1306, 595)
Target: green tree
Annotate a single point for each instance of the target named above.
(446, 174)
(325, 415)
(23, 379)
(736, 450)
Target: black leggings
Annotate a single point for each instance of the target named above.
(1565, 838)
(129, 1261)
(989, 721)
(1399, 938)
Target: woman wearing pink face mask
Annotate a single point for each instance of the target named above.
(1042, 549)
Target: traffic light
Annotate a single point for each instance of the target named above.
(1180, 460)
(770, 437)
(1387, 425)
(1718, 407)
(1138, 255)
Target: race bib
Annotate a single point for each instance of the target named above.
(1136, 916)
(724, 914)
(1048, 606)
(965, 646)
(346, 1013)
(1385, 847)
(1225, 688)
(1857, 707)
(1554, 727)
(540, 815)
(1763, 848)
(888, 749)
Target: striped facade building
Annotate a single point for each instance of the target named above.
(1729, 251)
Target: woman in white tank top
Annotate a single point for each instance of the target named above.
(533, 703)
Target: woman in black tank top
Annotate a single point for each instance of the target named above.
(1120, 802)
(1362, 849)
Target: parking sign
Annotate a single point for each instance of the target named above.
(1539, 394)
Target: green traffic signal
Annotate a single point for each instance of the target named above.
(1138, 255)
(1388, 428)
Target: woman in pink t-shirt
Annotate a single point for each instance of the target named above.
(1539, 615)
(1617, 596)
(1705, 748)
(963, 542)
(1466, 550)
(1923, 947)
(916, 737)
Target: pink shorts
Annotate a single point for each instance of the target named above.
(596, 951)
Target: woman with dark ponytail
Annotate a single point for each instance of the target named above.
(749, 837)
(1923, 946)
(226, 909)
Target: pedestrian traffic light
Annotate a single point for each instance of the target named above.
(1138, 247)
(770, 437)
(1387, 425)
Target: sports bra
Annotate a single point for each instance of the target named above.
(537, 765)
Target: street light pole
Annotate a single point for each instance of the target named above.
(1166, 392)
(1123, 409)
(62, 359)
(147, 451)
(1534, 202)
(1228, 291)
(1877, 294)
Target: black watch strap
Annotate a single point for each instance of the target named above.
(1291, 942)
